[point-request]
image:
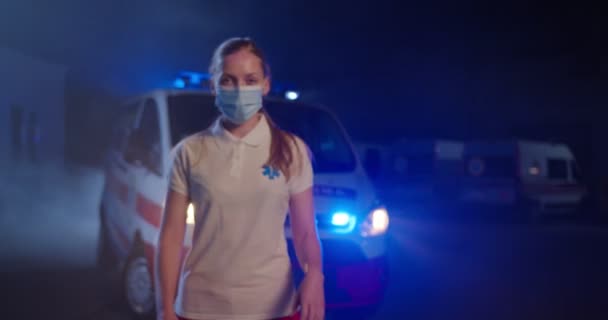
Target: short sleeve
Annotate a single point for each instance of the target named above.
(178, 180)
(302, 178)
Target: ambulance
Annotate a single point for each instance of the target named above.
(537, 178)
(352, 224)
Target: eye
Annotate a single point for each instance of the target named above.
(225, 81)
(252, 81)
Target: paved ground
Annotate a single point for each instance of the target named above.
(440, 269)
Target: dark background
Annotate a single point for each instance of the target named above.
(389, 70)
(437, 68)
(432, 69)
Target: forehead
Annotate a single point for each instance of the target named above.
(242, 62)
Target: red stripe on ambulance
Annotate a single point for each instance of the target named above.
(150, 211)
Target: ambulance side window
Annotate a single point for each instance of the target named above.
(144, 142)
(150, 135)
(123, 125)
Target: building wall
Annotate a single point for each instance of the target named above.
(37, 89)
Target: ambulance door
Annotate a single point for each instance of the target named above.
(148, 179)
(120, 177)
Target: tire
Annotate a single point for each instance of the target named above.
(138, 289)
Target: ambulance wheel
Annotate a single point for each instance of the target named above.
(138, 284)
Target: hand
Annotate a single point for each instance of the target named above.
(312, 296)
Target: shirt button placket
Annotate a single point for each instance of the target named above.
(239, 157)
(234, 161)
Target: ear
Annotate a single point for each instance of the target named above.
(266, 86)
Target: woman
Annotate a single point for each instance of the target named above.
(242, 175)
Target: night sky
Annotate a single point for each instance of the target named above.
(433, 68)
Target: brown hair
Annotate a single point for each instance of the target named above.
(282, 142)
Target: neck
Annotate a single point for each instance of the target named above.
(241, 130)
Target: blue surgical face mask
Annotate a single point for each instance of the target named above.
(239, 105)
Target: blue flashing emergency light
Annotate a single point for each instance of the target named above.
(190, 79)
(340, 219)
(343, 222)
(201, 80)
(179, 83)
(195, 78)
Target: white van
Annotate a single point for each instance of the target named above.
(352, 225)
(537, 177)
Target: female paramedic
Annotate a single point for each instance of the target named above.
(242, 175)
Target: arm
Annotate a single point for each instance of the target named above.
(308, 250)
(305, 237)
(171, 236)
(170, 245)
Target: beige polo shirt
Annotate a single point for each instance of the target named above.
(238, 267)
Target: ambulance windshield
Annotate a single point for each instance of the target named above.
(191, 113)
(319, 130)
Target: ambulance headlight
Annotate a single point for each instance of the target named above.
(376, 223)
(534, 170)
(190, 214)
(292, 95)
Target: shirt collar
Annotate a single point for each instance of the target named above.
(257, 136)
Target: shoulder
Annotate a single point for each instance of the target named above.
(192, 144)
(194, 140)
(292, 140)
(299, 147)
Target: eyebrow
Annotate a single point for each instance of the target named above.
(252, 74)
